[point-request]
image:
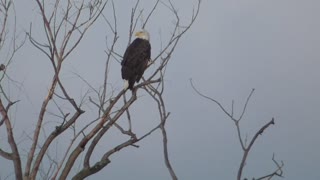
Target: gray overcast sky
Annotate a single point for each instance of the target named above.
(234, 46)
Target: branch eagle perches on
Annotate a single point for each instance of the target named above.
(65, 24)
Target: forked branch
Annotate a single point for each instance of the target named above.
(246, 149)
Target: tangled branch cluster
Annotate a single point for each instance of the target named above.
(65, 24)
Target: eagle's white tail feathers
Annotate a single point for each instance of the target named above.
(126, 84)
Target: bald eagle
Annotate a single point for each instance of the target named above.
(136, 59)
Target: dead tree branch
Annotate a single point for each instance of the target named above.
(60, 45)
(14, 156)
(8, 49)
(65, 24)
(278, 172)
(246, 149)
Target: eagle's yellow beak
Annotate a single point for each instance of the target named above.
(137, 34)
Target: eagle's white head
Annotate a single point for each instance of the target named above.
(143, 34)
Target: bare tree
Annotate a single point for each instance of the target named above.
(9, 45)
(246, 145)
(65, 24)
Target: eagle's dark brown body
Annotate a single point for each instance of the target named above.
(135, 61)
